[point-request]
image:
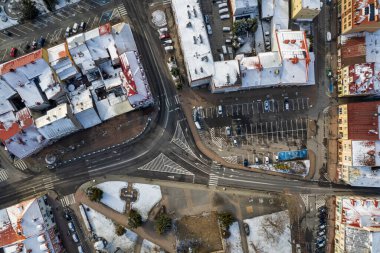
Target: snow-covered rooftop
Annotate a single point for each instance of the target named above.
(372, 41)
(361, 212)
(123, 37)
(59, 60)
(5, 90)
(82, 57)
(271, 68)
(365, 153)
(363, 176)
(250, 71)
(267, 8)
(57, 53)
(280, 20)
(227, 73)
(292, 44)
(194, 39)
(311, 4)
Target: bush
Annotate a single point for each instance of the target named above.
(242, 26)
(163, 223)
(95, 194)
(225, 220)
(119, 230)
(134, 219)
(174, 72)
(226, 234)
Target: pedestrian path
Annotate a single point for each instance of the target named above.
(164, 164)
(3, 175)
(231, 159)
(213, 181)
(68, 200)
(20, 164)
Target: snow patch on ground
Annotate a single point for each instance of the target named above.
(149, 247)
(10, 22)
(111, 195)
(62, 3)
(105, 228)
(147, 197)
(234, 241)
(265, 237)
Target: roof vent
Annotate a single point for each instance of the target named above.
(201, 69)
(200, 39)
(195, 39)
(188, 25)
(195, 12)
(228, 78)
(293, 41)
(195, 71)
(286, 41)
(188, 13)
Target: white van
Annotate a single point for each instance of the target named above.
(197, 125)
(71, 226)
(75, 238)
(80, 249)
(168, 48)
(75, 27)
(224, 49)
(220, 110)
(328, 36)
(225, 16)
(226, 29)
(224, 10)
(222, 5)
(209, 30)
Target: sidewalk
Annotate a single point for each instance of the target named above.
(145, 232)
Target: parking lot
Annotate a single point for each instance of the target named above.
(52, 26)
(255, 107)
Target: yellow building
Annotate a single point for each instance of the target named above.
(356, 224)
(359, 16)
(305, 10)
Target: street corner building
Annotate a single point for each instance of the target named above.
(29, 227)
(288, 63)
(51, 93)
(359, 143)
(357, 224)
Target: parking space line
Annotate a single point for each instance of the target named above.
(19, 30)
(5, 53)
(298, 104)
(24, 26)
(56, 18)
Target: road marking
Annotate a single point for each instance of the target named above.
(19, 30)
(24, 26)
(49, 186)
(20, 164)
(213, 180)
(162, 163)
(56, 18)
(68, 200)
(3, 175)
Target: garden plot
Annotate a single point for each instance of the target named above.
(234, 241)
(147, 197)
(111, 195)
(105, 228)
(269, 233)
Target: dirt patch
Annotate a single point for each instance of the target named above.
(113, 131)
(202, 228)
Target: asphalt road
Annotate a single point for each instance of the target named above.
(157, 139)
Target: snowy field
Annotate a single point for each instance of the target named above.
(149, 247)
(148, 196)
(266, 237)
(234, 241)
(104, 227)
(111, 195)
(10, 22)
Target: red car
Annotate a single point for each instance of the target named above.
(13, 52)
(164, 36)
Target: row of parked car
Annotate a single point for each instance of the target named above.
(72, 230)
(166, 40)
(75, 29)
(320, 241)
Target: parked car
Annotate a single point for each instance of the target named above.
(41, 41)
(225, 16)
(266, 106)
(34, 45)
(322, 226)
(164, 36)
(266, 160)
(322, 208)
(236, 143)
(286, 104)
(68, 32)
(238, 130)
(163, 30)
(321, 232)
(220, 110)
(209, 30)
(245, 163)
(169, 48)
(228, 131)
(321, 245)
(246, 228)
(6, 32)
(75, 238)
(82, 26)
(71, 226)
(75, 27)
(80, 249)
(67, 216)
(207, 19)
(257, 161)
(13, 52)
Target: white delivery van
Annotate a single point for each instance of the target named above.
(169, 48)
(224, 10)
(225, 16)
(226, 29)
(222, 5)
(75, 27)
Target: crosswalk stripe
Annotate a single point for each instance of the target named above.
(122, 10)
(3, 175)
(20, 164)
(180, 140)
(213, 180)
(162, 163)
(68, 200)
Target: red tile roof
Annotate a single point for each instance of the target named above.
(362, 118)
(354, 47)
(9, 236)
(25, 120)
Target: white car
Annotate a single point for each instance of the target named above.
(209, 30)
(225, 16)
